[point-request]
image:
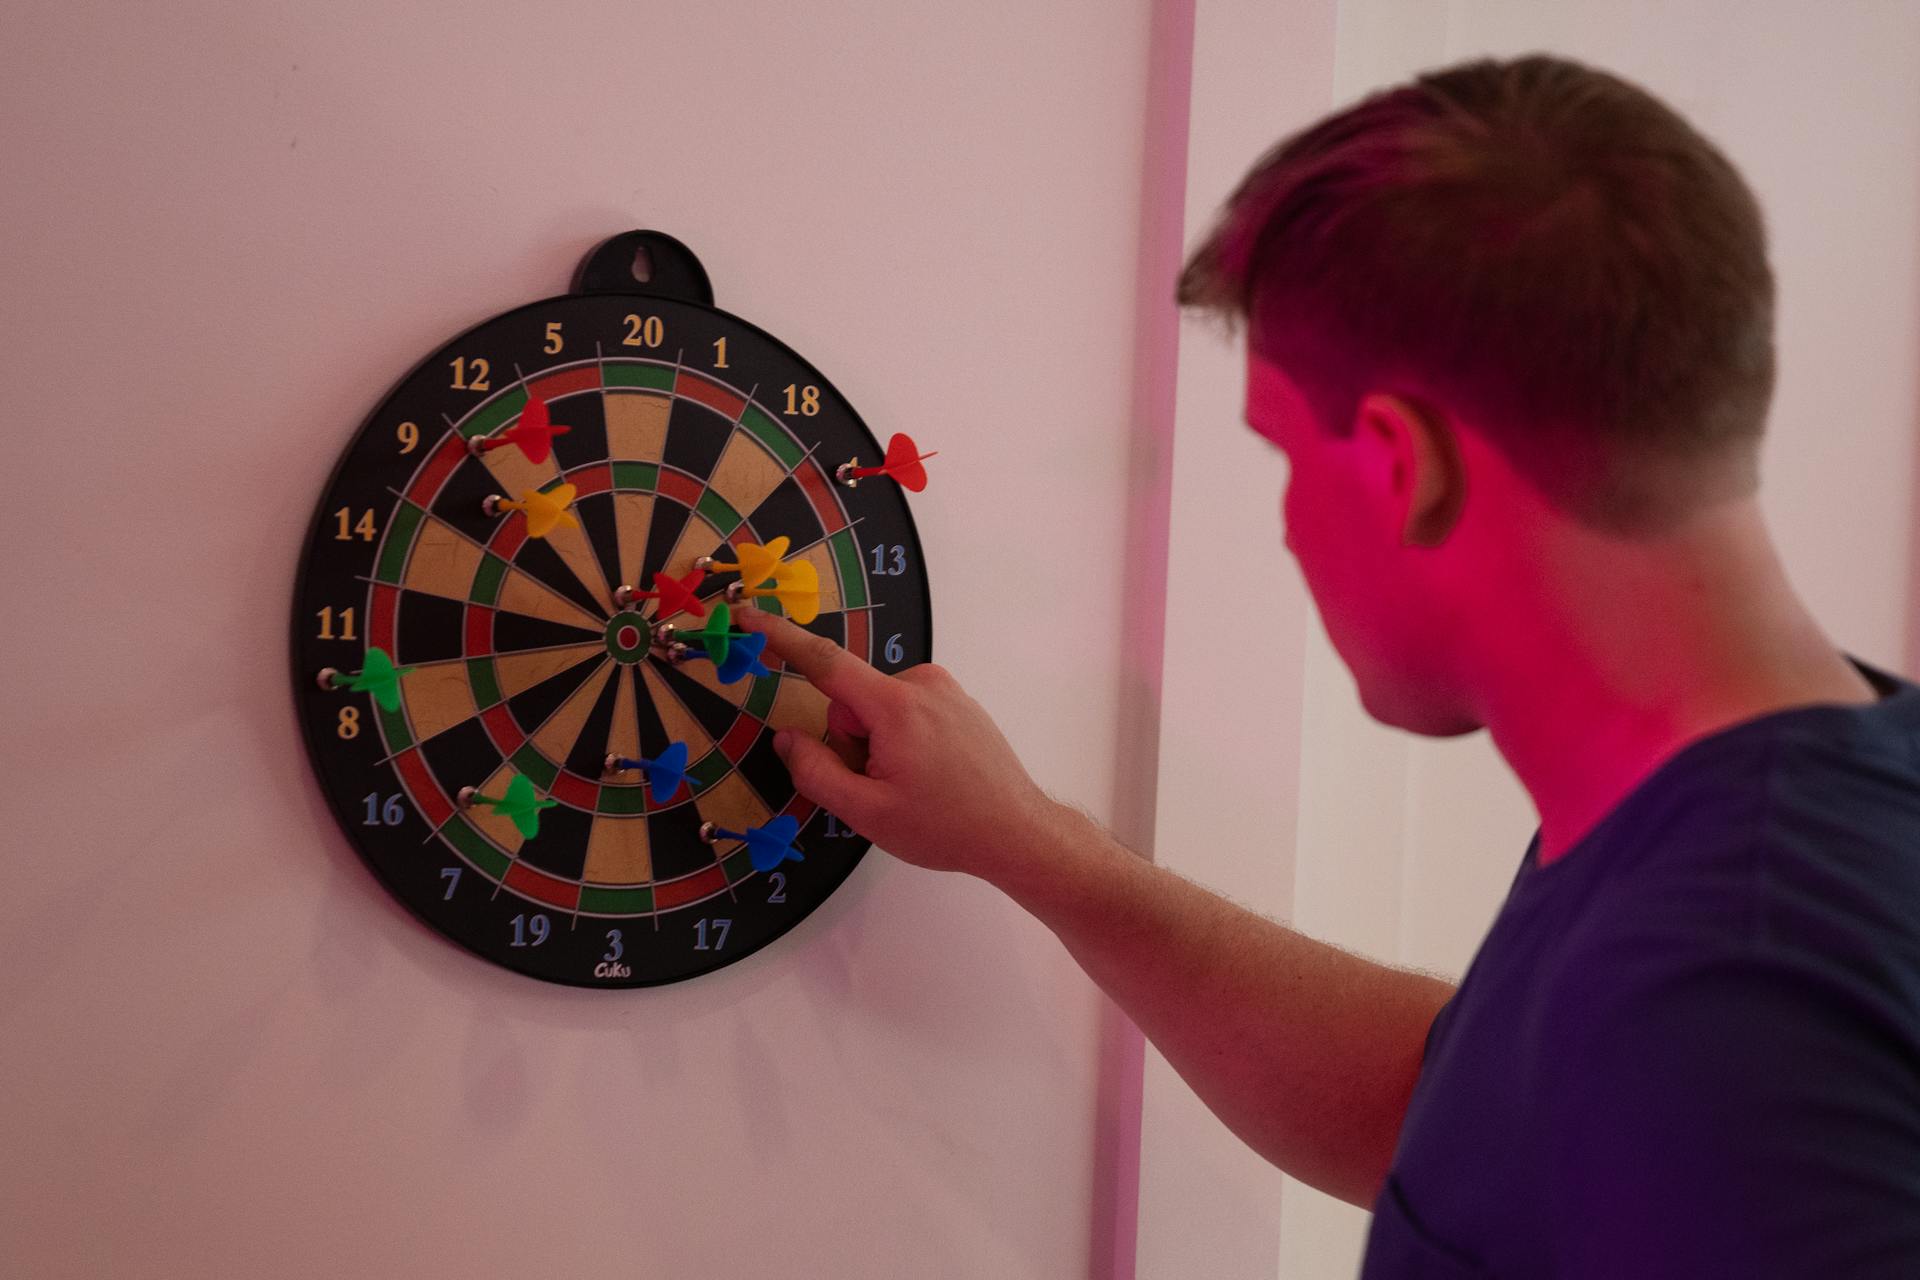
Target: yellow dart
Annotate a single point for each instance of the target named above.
(757, 563)
(545, 511)
(797, 587)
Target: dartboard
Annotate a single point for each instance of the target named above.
(514, 656)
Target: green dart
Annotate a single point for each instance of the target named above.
(378, 677)
(521, 804)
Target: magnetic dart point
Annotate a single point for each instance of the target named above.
(796, 586)
(665, 775)
(767, 846)
(533, 433)
(674, 594)
(378, 676)
(757, 563)
(545, 510)
(902, 464)
(521, 804)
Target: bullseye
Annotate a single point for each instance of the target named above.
(628, 637)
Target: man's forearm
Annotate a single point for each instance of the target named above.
(1305, 1051)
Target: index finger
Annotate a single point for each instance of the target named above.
(832, 670)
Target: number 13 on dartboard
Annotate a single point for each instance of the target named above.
(513, 653)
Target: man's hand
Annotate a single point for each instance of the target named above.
(1306, 1052)
(911, 762)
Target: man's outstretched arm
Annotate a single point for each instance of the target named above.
(1305, 1051)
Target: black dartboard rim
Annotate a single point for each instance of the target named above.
(314, 708)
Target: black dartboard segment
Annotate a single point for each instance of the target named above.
(689, 430)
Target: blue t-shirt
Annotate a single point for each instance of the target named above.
(1691, 1046)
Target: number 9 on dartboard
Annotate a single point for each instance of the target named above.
(514, 651)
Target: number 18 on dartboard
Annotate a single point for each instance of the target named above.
(515, 655)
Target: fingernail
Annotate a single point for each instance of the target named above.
(783, 742)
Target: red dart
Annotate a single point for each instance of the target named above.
(902, 463)
(534, 432)
(674, 594)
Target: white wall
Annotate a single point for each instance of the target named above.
(229, 229)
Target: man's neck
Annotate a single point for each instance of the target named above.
(1642, 648)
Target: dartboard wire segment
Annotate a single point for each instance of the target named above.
(523, 664)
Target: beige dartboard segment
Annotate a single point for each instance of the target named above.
(520, 592)
(443, 561)
(746, 473)
(632, 522)
(571, 544)
(799, 706)
(617, 850)
(514, 474)
(623, 735)
(733, 804)
(636, 425)
(697, 538)
(438, 696)
(519, 672)
(674, 717)
(555, 738)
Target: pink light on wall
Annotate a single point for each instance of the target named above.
(1163, 178)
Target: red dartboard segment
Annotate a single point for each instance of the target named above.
(505, 733)
(540, 886)
(508, 538)
(680, 486)
(433, 473)
(857, 634)
(590, 480)
(678, 893)
(477, 629)
(819, 491)
(723, 400)
(382, 610)
(427, 795)
(565, 382)
(575, 790)
(739, 738)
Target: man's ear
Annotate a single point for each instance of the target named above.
(1420, 465)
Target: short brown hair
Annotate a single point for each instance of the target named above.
(1535, 243)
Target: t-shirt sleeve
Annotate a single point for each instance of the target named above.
(1743, 1113)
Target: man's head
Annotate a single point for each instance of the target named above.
(1508, 297)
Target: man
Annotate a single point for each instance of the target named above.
(1512, 326)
